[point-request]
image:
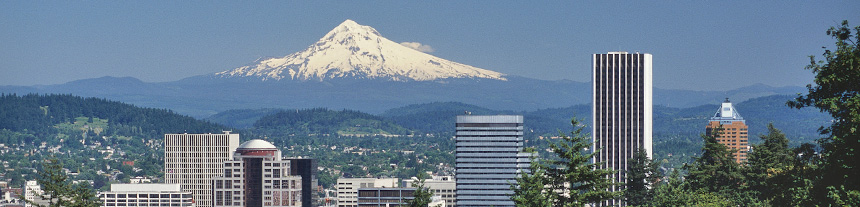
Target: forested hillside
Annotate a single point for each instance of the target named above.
(326, 121)
(93, 137)
(434, 117)
(241, 118)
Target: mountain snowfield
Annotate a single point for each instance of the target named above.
(356, 51)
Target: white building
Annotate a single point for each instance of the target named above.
(192, 160)
(149, 194)
(347, 188)
(489, 158)
(32, 190)
(140, 179)
(621, 110)
(257, 176)
(443, 187)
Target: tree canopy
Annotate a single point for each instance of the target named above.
(837, 92)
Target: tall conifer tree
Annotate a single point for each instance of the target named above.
(570, 179)
(641, 178)
(768, 166)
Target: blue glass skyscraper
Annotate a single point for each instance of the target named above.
(489, 157)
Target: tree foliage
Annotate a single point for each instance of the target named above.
(837, 92)
(768, 166)
(423, 195)
(570, 178)
(675, 192)
(531, 187)
(717, 173)
(716, 170)
(59, 191)
(642, 176)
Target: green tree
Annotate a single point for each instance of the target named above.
(804, 170)
(767, 168)
(572, 178)
(530, 188)
(674, 192)
(58, 190)
(837, 92)
(642, 176)
(715, 170)
(422, 194)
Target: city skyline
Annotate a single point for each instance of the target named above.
(173, 40)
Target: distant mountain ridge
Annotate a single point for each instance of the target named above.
(356, 51)
(203, 96)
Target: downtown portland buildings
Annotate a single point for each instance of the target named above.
(621, 111)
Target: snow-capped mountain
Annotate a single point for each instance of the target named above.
(356, 51)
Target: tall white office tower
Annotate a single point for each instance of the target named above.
(192, 160)
(621, 110)
(489, 158)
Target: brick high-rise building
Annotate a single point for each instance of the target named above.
(734, 133)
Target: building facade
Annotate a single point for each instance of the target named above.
(385, 197)
(733, 133)
(621, 110)
(192, 160)
(32, 190)
(307, 169)
(256, 177)
(146, 195)
(489, 157)
(444, 187)
(347, 188)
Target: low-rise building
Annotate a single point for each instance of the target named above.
(444, 187)
(385, 197)
(146, 195)
(347, 188)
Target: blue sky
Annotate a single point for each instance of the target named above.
(715, 45)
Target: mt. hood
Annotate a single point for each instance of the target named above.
(355, 51)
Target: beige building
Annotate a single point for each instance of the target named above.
(192, 160)
(444, 187)
(148, 194)
(347, 188)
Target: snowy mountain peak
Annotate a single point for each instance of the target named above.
(356, 51)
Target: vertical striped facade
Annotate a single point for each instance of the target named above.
(192, 160)
(621, 110)
(489, 159)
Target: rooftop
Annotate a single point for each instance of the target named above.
(257, 144)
